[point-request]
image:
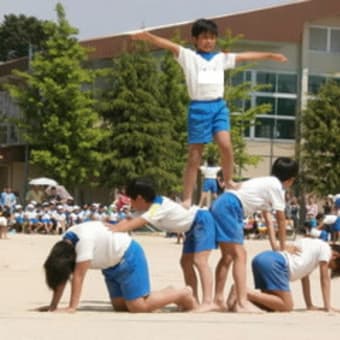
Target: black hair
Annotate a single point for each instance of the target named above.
(143, 187)
(335, 272)
(285, 168)
(59, 264)
(210, 161)
(203, 26)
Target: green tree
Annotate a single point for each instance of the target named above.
(58, 121)
(175, 98)
(320, 151)
(19, 34)
(142, 127)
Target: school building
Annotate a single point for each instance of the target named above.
(307, 32)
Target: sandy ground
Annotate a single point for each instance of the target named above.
(22, 288)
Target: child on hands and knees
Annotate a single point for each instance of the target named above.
(168, 215)
(122, 262)
(261, 193)
(274, 270)
(208, 116)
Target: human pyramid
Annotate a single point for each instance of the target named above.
(111, 249)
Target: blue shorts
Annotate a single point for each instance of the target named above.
(227, 212)
(325, 235)
(337, 203)
(201, 236)
(336, 225)
(205, 119)
(130, 278)
(270, 271)
(210, 185)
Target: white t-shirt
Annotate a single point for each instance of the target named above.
(99, 245)
(313, 251)
(205, 78)
(170, 216)
(210, 171)
(329, 219)
(261, 193)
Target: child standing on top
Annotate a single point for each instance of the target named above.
(208, 116)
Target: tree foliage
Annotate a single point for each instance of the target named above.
(19, 34)
(143, 129)
(320, 151)
(58, 121)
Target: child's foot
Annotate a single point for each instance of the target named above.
(231, 299)
(221, 305)
(207, 307)
(187, 302)
(247, 307)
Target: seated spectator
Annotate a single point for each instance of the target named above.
(5, 215)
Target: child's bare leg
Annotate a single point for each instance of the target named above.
(190, 172)
(223, 141)
(190, 278)
(203, 198)
(273, 300)
(238, 253)
(119, 304)
(221, 274)
(181, 297)
(201, 262)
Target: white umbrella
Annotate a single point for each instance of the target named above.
(43, 181)
(60, 190)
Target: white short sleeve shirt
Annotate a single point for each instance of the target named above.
(261, 193)
(169, 215)
(210, 171)
(313, 251)
(205, 78)
(99, 245)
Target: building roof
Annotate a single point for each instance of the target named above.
(282, 23)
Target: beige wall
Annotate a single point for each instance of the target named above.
(268, 154)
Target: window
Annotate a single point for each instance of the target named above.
(335, 40)
(279, 106)
(287, 83)
(279, 121)
(324, 39)
(314, 83)
(318, 39)
(268, 80)
(286, 107)
(272, 128)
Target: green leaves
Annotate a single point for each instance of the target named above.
(320, 141)
(59, 120)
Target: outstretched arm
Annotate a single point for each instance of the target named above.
(157, 41)
(281, 224)
(77, 284)
(271, 231)
(254, 56)
(325, 282)
(128, 224)
(56, 296)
